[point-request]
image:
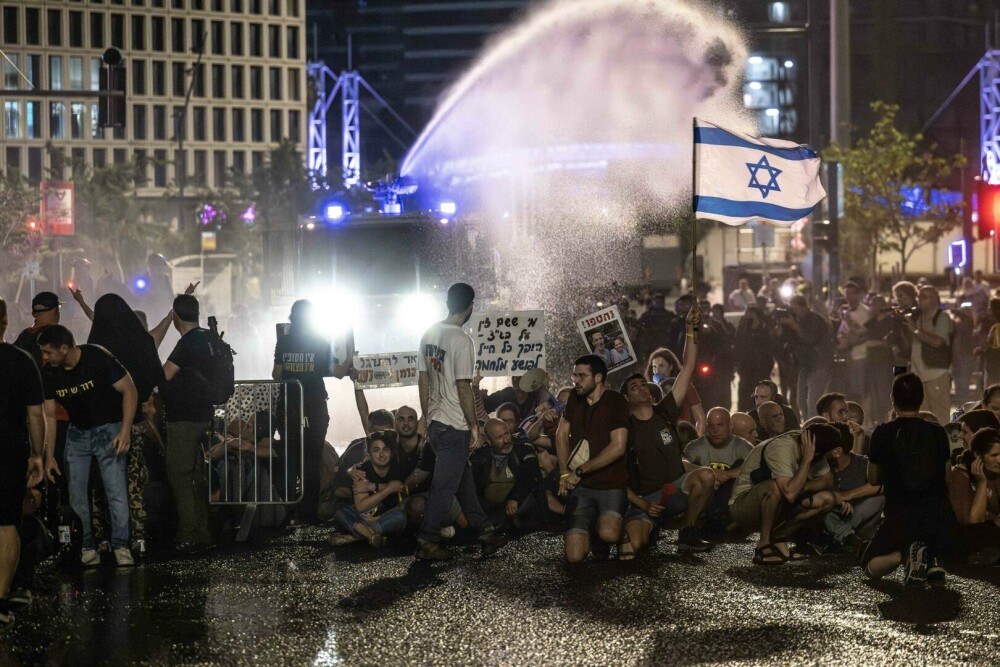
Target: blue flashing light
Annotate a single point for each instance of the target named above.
(140, 284)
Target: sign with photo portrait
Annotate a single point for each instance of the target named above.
(604, 335)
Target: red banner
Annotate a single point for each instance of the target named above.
(57, 208)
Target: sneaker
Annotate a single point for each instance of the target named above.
(915, 573)
(688, 540)
(448, 532)
(90, 558)
(123, 556)
(377, 540)
(20, 596)
(341, 539)
(492, 541)
(935, 572)
(6, 616)
(432, 551)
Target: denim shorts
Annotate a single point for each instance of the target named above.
(585, 506)
(672, 505)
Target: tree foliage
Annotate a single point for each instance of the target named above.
(18, 243)
(888, 179)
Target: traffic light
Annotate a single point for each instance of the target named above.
(111, 108)
(988, 210)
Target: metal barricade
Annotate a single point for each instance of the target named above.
(256, 437)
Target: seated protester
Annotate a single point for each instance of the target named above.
(524, 402)
(744, 426)
(414, 491)
(784, 484)
(723, 453)
(973, 421)
(375, 512)
(974, 484)
(771, 420)
(506, 475)
(856, 517)
(357, 452)
(909, 455)
(243, 463)
(661, 484)
(511, 416)
(767, 391)
(410, 442)
(833, 407)
(662, 367)
(686, 432)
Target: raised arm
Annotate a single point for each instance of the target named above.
(78, 297)
(683, 380)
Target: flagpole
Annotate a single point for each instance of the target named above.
(694, 216)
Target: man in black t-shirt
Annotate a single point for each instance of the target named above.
(303, 355)
(661, 483)
(188, 411)
(595, 420)
(101, 399)
(20, 420)
(911, 458)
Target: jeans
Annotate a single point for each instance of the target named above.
(452, 478)
(862, 521)
(186, 474)
(392, 522)
(82, 445)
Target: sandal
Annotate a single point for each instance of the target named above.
(765, 555)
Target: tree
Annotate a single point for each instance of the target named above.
(112, 217)
(18, 242)
(888, 179)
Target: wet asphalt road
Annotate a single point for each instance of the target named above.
(295, 601)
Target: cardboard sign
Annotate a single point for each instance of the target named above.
(57, 208)
(395, 369)
(508, 343)
(604, 334)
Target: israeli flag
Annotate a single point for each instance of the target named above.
(739, 178)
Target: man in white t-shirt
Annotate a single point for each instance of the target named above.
(446, 364)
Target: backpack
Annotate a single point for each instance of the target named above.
(220, 375)
(938, 357)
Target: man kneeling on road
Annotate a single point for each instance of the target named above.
(784, 484)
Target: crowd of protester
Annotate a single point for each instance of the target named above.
(843, 439)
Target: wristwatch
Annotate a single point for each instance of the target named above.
(578, 472)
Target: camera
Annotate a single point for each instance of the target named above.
(898, 370)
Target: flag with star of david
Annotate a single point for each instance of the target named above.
(740, 178)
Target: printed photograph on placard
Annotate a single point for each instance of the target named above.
(605, 335)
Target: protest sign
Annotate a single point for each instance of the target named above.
(394, 369)
(605, 335)
(508, 343)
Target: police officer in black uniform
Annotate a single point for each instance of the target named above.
(304, 355)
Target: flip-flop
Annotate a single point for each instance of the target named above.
(768, 551)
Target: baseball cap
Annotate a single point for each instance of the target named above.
(44, 302)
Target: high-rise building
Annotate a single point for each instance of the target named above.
(247, 94)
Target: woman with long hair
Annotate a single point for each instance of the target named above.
(117, 328)
(663, 366)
